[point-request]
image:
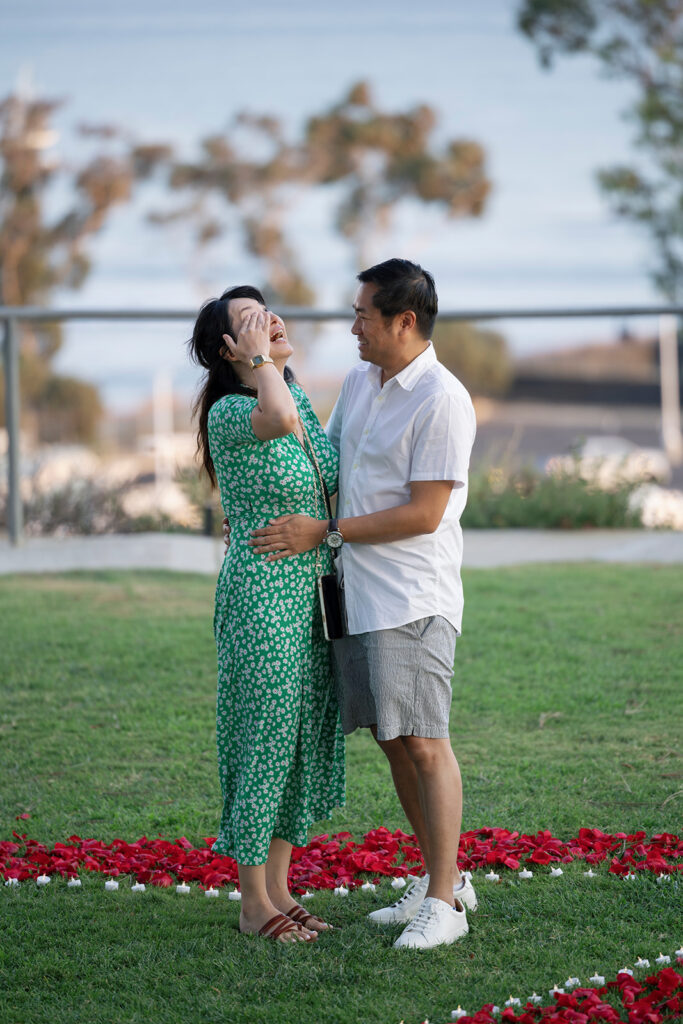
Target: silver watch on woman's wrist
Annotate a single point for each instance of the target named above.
(333, 537)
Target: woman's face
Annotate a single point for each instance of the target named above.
(240, 309)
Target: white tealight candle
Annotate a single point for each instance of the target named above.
(492, 877)
(590, 873)
(556, 991)
(307, 895)
(629, 876)
(535, 998)
(397, 883)
(571, 983)
(679, 953)
(525, 873)
(512, 1001)
(368, 887)
(111, 885)
(235, 895)
(43, 880)
(467, 875)
(74, 883)
(663, 878)
(625, 970)
(641, 962)
(663, 959)
(12, 881)
(495, 1009)
(182, 889)
(138, 887)
(598, 980)
(341, 890)
(457, 1014)
(211, 891)
(556, 872)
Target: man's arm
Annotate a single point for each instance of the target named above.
(290, 535)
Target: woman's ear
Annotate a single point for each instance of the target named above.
(224, 351)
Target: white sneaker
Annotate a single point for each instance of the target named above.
(406, 908)
(466, 894)
(436, 924)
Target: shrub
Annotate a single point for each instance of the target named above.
(500, 498)
(83, 506)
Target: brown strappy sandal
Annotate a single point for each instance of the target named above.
(302, 917)
(281, 925)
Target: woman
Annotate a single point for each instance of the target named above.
(280, 744)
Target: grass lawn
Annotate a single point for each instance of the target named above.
(566, 713)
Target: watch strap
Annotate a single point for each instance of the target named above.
(259, 361)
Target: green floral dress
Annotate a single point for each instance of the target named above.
(280, 744)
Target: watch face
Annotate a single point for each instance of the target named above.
(257, 361)
(334, 539)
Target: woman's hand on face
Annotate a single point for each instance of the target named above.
(288, 535)
(253, 338)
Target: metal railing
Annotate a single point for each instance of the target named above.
(11, 316)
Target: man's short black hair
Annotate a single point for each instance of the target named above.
(402, 285)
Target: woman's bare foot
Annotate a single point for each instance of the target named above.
(271, 923)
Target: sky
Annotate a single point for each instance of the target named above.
(177, 72)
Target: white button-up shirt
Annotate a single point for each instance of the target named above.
(419, 426)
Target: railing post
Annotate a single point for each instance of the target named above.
(669, 376)
(15, 518)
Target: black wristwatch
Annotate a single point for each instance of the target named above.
(333, 537)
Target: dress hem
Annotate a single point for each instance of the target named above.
(226, 849)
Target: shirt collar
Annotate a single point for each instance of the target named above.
(410, 374)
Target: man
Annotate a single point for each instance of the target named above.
(404, 428)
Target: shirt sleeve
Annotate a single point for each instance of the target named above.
(334, 424)
(443, 435)
(230, 421)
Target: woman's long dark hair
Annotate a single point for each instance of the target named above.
(221, 376)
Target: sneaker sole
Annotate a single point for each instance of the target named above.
(424, 949)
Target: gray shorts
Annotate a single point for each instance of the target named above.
(397, 679)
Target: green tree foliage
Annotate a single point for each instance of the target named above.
(479, 358)
(43, 245)
(640, 41)
(368, 160)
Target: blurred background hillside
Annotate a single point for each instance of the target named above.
(525, 153)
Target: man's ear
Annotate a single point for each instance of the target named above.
(407, 320)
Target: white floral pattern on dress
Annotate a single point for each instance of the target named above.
(279, 739)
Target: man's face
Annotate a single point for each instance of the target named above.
(376, 336)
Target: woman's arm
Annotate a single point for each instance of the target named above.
(290, 535)
(275, 413)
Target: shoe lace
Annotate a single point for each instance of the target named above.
(410, 891)
(422, 920)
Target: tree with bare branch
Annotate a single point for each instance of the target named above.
(640, 42)
(369, 161)
(41, 251)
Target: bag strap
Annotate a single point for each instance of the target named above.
(313, 459)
